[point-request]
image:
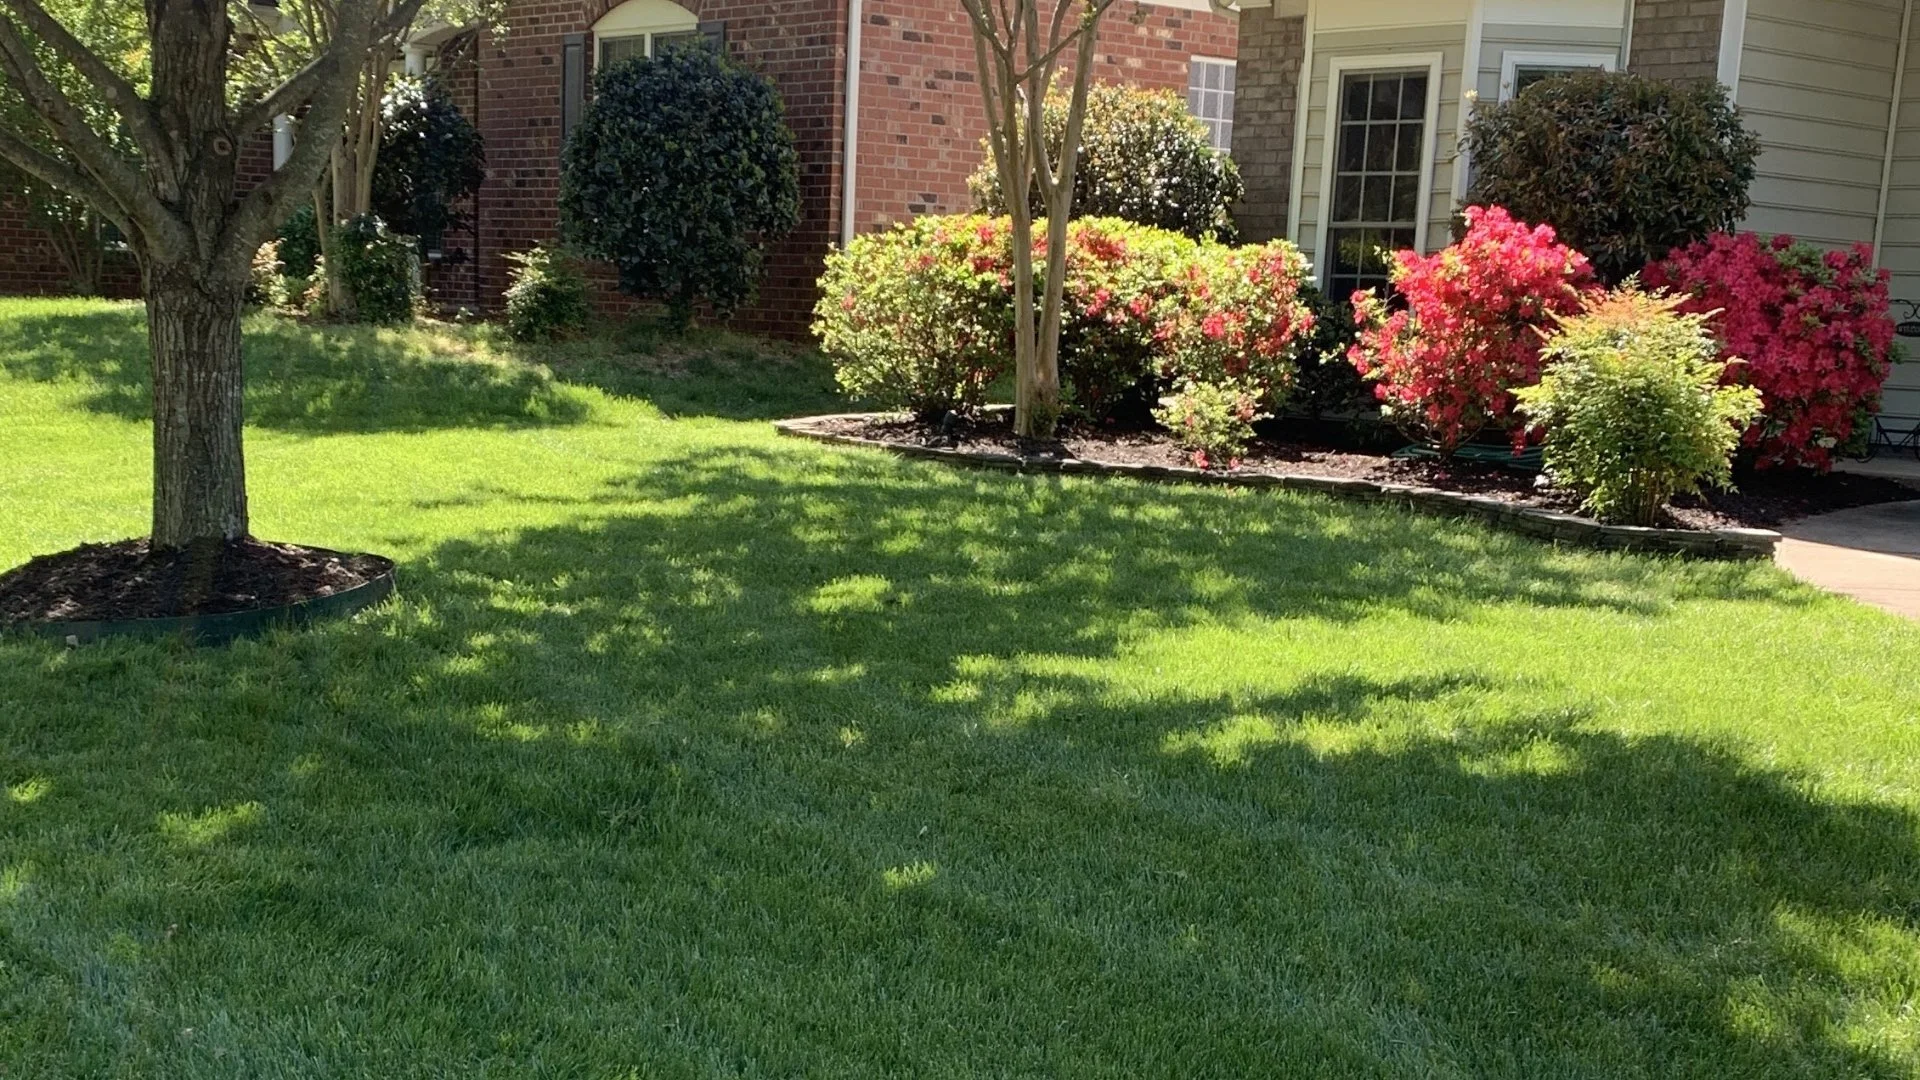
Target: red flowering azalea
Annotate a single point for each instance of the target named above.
(1469, 334)
(1811, 331)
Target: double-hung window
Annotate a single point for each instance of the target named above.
(1210, 97)
(1379, 170)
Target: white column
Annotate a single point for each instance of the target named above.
(416, 57)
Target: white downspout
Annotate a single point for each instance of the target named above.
(282, 140)
(1893, 130)
(1469, 97)
(1626, 37)
(1303, 104)
(1733, 41)
(850, 154)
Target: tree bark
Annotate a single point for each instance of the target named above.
(199, 469)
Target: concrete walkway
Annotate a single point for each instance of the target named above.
(1871, 554)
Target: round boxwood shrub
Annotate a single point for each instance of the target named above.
(1144, 158)
(430, 157)
(1623, 167)
(681, 174)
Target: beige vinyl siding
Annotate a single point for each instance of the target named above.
(1816, 83)
(1900, 252)
(1449, 40)
(1498, 39)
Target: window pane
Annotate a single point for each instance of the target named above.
(1411, 138)
(1346, 198)
(1413, 101)
(1376, 199)
(1228, 71)
(1381, 144)
(1352, 155)
(1406, 199)
(1386, 98)
(1354, 100)
(667, 41)
(614, 50)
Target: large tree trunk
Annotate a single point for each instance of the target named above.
(199, 472)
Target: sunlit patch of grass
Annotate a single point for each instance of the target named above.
(688, 751)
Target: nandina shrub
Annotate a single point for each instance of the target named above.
(1812, 328)
(1236, 316)
(920, 317)
(1446, 363)
(1633, 407)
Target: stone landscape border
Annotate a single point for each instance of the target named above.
(1528, 520)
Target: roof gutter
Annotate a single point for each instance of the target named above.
(850, 152)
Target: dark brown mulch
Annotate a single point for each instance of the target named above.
(127, 580)
(1763, 500)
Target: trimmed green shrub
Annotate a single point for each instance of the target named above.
(681, 174)
(1624, 168)
(380, 267)
(1144, 158)
(918, 318)
(299, 243)
(430, 157)
(1328, 384)
(1212, 420)
(1632, 405)
(921, 317)
(264, 276)
(547, 298)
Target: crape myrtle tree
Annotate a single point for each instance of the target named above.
(345, 190)
(173, 191)
(1019, 45)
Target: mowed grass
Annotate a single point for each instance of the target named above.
(686, 751)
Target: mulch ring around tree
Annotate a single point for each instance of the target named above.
(1762, 500)
(127, 580)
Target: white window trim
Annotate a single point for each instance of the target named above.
(1337, 69)
(616, 25)
(1513, 60)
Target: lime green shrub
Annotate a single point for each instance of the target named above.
(1632, 405)
(547, 297)
(917, 318)
(1212, 420)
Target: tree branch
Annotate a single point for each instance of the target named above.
(47, 169)
(299, 87)
(118, 91)
(128, 198)
(268, 204)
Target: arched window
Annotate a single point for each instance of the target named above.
(639, 28)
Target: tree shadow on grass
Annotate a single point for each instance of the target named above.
(301, 378)
(839, 766)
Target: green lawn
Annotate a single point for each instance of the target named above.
(689, 751)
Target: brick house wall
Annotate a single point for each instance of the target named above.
(29, 267)
(1677, 40)
(796, 43)
(921, 120)
(1265, 107)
